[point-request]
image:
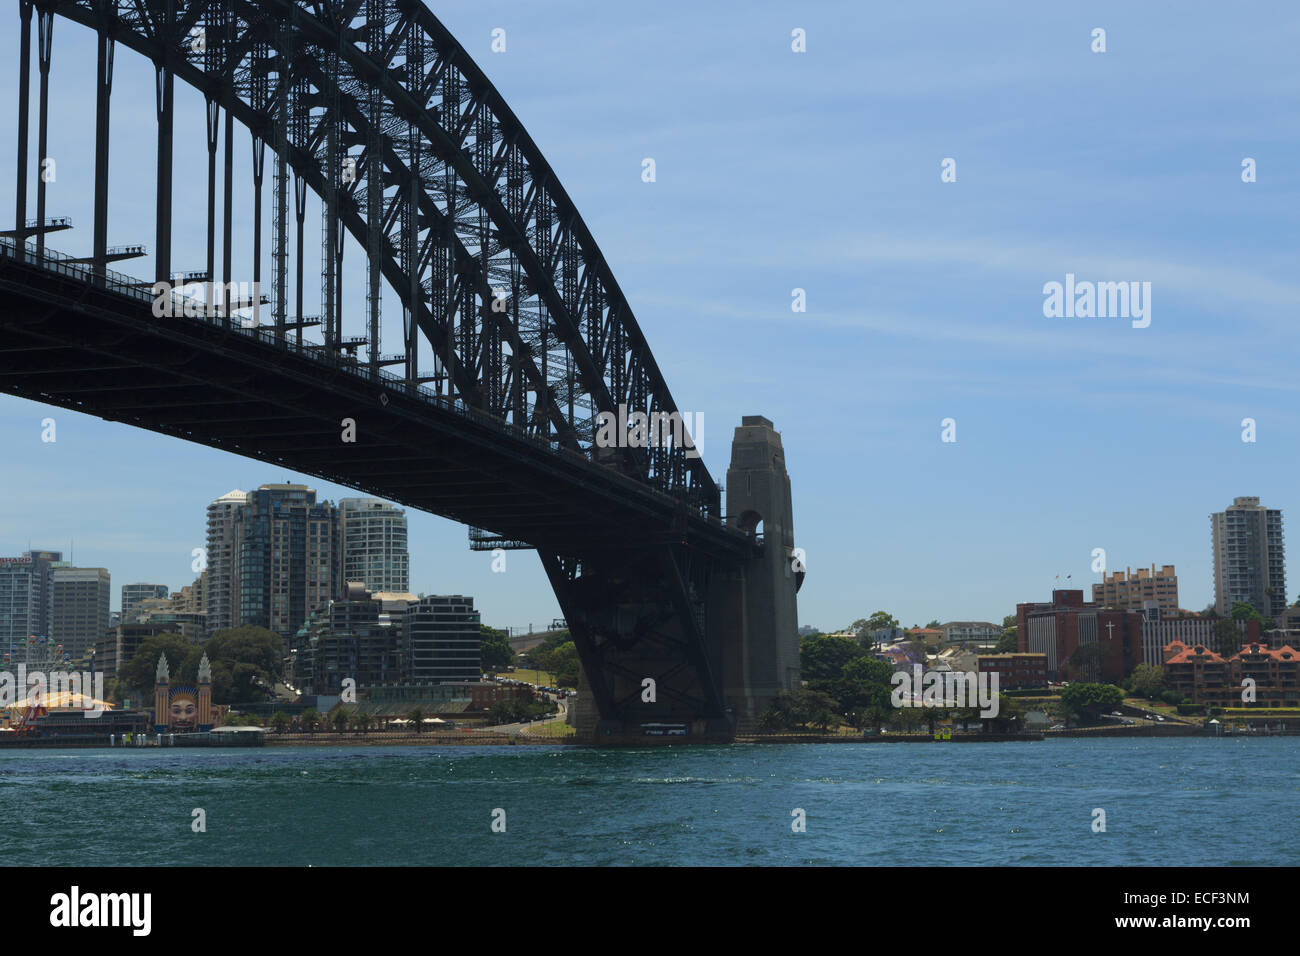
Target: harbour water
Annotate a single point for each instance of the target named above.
(1180, 801)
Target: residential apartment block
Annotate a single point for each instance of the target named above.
(219, 598)
(387, 639)
(1129, 590)
(1209, 678)
(1249, 559)
(373, 538)
(971, 632)
(1014, 670)
(284, 558)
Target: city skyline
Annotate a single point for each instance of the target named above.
(1071, 433)
(540, 622)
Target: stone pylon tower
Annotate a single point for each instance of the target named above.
(682, 643)
(161, 696)
(760, 625)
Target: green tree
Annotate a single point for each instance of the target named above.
(916, 647)
(554, 640)
(1146, 681)
(822, 719)
(933, 625)
(862, 682)
(860, 718)
(246, 663)
(139, 673)
(932, 715)
(1085, 661)
(1010, 718)
(502, 712)
(1226, 636)
(309, 719)
(562, 664)
(339, 718)
(800, 708)
(824, 657)
(1245, 611)
(495, 651)
(416, 716)
(360, 721)
(1009, 621)
(863, 628)
(279, 721)
(907, 719)
(1009, 642)
(1087, 702)
(872, 716)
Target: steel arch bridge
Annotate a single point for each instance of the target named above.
(516, 337)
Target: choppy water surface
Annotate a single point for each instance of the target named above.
(1167, 802)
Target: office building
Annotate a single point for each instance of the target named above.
(25, 596)
(1249, 561)
(1129, 590)
(442, 640)
(134, 595)
(79, 609)
(374, 544)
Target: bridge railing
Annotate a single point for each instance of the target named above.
(56, 262)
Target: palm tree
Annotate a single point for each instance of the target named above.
(933, 715)
(339, 719)
(310, 719)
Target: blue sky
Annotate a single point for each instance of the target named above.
(821, 170)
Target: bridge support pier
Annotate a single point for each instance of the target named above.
(678, 646)
(758, 618)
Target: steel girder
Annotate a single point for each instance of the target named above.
(458, 211)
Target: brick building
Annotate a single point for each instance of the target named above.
(1205, 677)
(1015, 670)
(1059, 628)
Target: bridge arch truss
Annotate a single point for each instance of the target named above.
(374, 107)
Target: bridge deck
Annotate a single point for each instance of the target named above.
(91, 344)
